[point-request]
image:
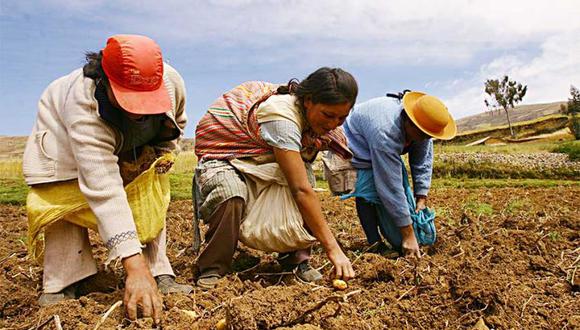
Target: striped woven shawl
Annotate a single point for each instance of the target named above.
(230, 129)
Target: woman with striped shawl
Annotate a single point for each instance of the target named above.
(268, 123)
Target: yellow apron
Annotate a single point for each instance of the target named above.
(148, 196)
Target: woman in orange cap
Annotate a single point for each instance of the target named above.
(379, 131)
(124, 98)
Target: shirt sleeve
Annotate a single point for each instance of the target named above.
(421, 163)
(282, 134)
(93, 146)
(388, 176)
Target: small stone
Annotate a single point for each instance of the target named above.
(221, 324)
(480, 325)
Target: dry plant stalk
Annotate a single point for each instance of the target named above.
(320, 304)
(107, 313)
(57, 322)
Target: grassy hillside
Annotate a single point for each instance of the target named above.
(12, 146)
(543, 125)
(521, 113)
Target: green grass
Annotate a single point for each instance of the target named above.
(516, 205)
(13, 191)
(455, 183)
(10, 168)
(181, 175)
(180, 185)
(515, 125)
(486, 169)
(554, 236)
(520, 148)
(478, 208)
(185, 162)
(571, 148)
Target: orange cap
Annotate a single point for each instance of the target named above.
(134, 67)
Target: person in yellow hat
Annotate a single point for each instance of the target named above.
(379, 131)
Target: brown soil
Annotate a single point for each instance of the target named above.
(508, 256)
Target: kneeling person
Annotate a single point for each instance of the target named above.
(259, 135)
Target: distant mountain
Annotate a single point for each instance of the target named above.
(498, 118)
(12, 146)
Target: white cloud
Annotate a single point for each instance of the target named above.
(535, 42)
(548, 75)
(372, 32)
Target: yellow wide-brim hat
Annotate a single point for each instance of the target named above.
(430, 115)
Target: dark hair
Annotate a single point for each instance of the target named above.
(325, 85)
(93, 68)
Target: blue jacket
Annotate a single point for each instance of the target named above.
(376, 136)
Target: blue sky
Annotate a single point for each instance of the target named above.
(446, 48)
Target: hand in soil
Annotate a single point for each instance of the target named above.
(409, 245)
(411, 250)
(342, 266)
(141, 289)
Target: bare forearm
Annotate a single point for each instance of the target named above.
(407, 231)
(311, 212)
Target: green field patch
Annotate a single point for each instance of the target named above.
(514, 126)
(516, 205)
(11, 168)
(515, 148)
(485, 169)
(470, 183)
(180, 185)
(572, 149)
(13, 191)
(554, 236)
(478, 208)
(185, 162)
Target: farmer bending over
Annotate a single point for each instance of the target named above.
(254, 137)
(379, 131)
(123, 98)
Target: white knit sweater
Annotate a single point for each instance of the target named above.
(70, 140)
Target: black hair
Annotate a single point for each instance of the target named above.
(93, 68)
(325, 85)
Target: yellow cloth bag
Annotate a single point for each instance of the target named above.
(148, 196)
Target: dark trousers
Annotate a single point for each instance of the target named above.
(221, 237)
(370, 221)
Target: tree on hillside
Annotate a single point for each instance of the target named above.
(574, 110)
(505, 94)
